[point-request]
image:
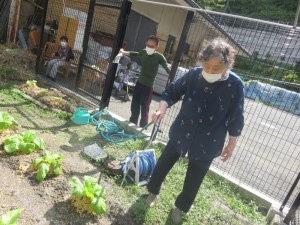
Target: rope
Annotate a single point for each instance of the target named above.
(110, 130)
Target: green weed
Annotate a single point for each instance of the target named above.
(217, 202)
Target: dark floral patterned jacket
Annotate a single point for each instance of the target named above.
(209, 111)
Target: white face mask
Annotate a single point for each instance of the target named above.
(210, 77)
(150, 51)
(63, 44)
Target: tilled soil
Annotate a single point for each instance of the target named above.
(49, 202)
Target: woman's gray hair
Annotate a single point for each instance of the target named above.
(222, 50)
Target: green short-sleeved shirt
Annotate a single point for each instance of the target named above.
(149, 66)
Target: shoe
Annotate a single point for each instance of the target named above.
(151, 200)
(176, 215)
(48, 77)
(53, 79)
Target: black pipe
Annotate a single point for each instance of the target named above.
(118, 42)
(291, 214)
(181, 45)
(290, 192)
(85, 43)
(37, 63)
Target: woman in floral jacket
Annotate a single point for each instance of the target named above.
(212, 107)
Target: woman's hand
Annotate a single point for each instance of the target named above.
(228, 150)
(159, 114)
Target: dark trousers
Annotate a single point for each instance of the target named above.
(141, 100)
(195, 174)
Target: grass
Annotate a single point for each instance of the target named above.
(218, 202)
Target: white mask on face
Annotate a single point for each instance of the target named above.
(150, 51)
(210, 77)
(63, 44)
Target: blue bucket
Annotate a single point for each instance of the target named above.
(81, 116)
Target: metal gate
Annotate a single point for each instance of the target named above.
(95, 30)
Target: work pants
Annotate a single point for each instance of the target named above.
(195, 174)
(53, 66)
(140, 103)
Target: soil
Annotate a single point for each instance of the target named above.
(49, 202)
(50, 97)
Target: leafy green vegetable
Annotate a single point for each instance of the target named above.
(6, 121)
(91, 190)
(31, 83)
(48, 164)
(10, 217)
(26, 142)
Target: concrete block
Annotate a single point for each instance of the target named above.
(275, 217)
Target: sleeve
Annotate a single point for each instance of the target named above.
(236, 116)
(57, 52)
(70, 54)
(164, 64)
(177, 89)
(134, 53)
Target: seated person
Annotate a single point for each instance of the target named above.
(62, 57)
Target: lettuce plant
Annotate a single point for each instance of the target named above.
(48, 164)
(25, 142)
(91, 190)
(6, 121)
(31, 83)
(10, 217)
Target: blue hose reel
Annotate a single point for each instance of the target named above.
(139, 166)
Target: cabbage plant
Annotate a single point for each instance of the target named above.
(91, 190)
(25, 142)
(10, 217)
(48, 164)
(6, 121)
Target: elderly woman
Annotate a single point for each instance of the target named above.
(61, 58)
(212, 106)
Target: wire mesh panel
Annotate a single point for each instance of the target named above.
(267, 157)
(296, 219)
(72, 18)
(99, 47)
(64, 18)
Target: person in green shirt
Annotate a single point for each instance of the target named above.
(142, 94)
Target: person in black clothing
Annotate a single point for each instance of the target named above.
(212, 108)
(142, 94)
(62, 57)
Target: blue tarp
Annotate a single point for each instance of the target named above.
(274, 96)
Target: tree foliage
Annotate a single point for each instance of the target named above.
(274, 10)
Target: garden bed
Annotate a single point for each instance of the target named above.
(50, 202)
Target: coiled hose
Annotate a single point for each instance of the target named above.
(110, 130)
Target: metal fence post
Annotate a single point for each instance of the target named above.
(121, 29)
(290, 192)
(181, 45)
(295, 204)
(37, 64)
(88, 27)
(291, 214)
